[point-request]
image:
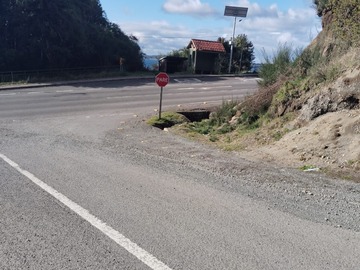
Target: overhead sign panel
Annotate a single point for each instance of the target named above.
(235, 11)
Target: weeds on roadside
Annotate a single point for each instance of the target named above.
(167, 119)
(279, 64)
(224, 113)
(218, 122)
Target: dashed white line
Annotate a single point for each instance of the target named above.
(10, 94)
(64, 91)
(205, 88)
(190, 80)
(120, 239)
(31, 93)
(186, 88)
(123, 97)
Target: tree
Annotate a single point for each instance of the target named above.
(43, 34)
(243, 54)
(184, 52)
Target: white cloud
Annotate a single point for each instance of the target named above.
(265, 26)
(256, 10)
(158, 37)
(191, 7)
(286, 38)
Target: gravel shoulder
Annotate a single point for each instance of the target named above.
(308, 195)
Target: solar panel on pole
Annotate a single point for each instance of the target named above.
(234, 12)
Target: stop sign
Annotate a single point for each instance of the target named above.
(162, 79)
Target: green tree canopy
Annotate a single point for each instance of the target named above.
(43, 34)
(184, 52)
(243, 54)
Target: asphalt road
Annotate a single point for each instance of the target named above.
(129, 96)
(84, 184)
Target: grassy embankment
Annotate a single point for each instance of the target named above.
(290, 77)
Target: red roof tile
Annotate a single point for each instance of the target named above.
(207, 45)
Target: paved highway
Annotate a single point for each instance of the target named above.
(137, 96)
(84, 184)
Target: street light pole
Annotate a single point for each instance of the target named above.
(232, 44)
(234, 12)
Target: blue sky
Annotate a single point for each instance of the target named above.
(165, 25)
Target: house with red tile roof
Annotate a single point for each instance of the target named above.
(204, 55)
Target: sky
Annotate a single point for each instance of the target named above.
(162, 26)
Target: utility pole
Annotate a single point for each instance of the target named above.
(232, 44)
(234, 12)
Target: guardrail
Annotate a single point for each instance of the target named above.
(28, 76)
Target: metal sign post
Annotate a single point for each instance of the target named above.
(162, 79)
(161, 93)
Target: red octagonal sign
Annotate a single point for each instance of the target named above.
(162, 79)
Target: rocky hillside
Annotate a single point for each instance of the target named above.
(322, 95)
(333, 78)
(306, 113)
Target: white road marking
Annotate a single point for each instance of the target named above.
(30, 93)
(205, 88)
(64, 91)
(186, 88)
(10, 94)
(190, 80)
(122, 97)
(198, 103)
(120, 239)
(250, 79)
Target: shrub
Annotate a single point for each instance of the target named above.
(218, 122)
(347, 20)
(320, 6)
(224, 113)
(204, 127)
(308, 58)
(279, 64)
(167, 119)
